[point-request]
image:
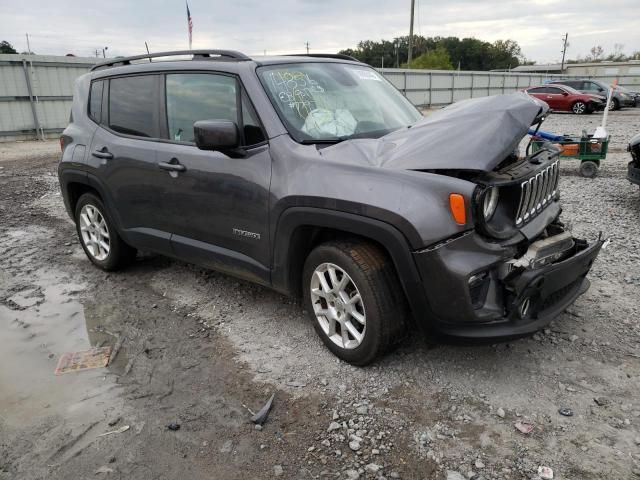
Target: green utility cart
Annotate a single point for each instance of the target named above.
(589, 150)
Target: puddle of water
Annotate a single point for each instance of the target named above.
(37, 325)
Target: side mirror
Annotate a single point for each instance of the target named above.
(220, 135)
(565, 94)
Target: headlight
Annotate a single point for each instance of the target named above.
(490, 202)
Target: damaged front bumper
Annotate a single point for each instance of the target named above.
(477, 288)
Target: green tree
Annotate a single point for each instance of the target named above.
(468, 53)
(6, 47)
(436, 59)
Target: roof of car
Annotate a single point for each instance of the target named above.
(183, 57)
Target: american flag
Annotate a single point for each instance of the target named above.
(190, 23)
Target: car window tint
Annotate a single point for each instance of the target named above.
(555, 91)
(133, 105)
(252, 130)
(95, 100)
(198, 96)
(536, 90)
(594, 87)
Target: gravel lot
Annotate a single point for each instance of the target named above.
(200, 348)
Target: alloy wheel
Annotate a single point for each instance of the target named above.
(94, 232)
(338, 306)
(579, 108)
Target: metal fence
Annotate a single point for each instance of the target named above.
(442, 87)
(36, 91)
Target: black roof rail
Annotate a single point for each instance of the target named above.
(229, 55)
(338, 56)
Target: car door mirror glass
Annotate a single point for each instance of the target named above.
(219, 135)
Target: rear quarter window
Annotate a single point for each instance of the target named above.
(95, 101)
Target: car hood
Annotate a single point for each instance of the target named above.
(476, 134)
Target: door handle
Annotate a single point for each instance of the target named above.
(172, 167)
(103, 153)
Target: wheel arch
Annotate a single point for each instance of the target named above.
(300, 229)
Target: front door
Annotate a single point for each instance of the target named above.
(217, 206)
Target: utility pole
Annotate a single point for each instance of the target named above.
(307, 45)
(28, 45)
(397, 45)
(413, 5)
(564, 50)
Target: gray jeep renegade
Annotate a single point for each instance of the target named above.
(314, 176)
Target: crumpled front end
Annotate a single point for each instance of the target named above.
(519, 267)
(486, 289)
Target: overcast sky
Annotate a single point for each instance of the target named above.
(283, 26)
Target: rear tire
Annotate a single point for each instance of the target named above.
(579, 108)
(98, 236)
(354, 298)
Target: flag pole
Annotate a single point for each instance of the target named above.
(189, 24)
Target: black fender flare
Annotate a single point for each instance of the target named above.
(67, 176)
(383, 233)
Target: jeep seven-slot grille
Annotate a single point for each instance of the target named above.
(537, 192)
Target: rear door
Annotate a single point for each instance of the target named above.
(538, 92)
(123, 155)
(217, 207)
(555, 98)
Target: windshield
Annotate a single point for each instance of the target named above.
(335, 101)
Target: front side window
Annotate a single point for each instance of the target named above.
(205, 96)
(133, 105)
(554, 91)
(592, 87)
(197, 96)
(335, 101)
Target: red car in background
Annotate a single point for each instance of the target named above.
(566, 99)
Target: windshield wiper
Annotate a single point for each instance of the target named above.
(311, 141)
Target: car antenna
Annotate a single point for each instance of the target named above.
(147, 47)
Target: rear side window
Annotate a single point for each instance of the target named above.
(133, 105)
(95, 101)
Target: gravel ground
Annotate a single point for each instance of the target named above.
(199, 349)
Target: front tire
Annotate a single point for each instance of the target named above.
(98, 236)
(353, 296)
(614, 105)
(579, 108)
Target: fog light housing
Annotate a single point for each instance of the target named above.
(478, 288)
(525, 307)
